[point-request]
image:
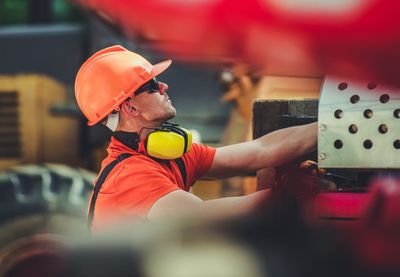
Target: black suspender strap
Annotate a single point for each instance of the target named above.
(182, 169)
(106, 171)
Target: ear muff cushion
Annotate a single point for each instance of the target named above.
(165, 144)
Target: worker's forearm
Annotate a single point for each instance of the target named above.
(229, 207)
(286, 145)
(271, 150)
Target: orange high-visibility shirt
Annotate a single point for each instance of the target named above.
(137, 182)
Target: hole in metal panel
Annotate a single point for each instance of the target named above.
(396, 144)
(372, 85)
(338, 114)
(383, 129)
(338, 144)
(368, 113)
(384, 98)
(354, 99)
(342, 86)
(353, 128)
(396, 113)
(368, 144)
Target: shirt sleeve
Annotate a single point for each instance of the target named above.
(198, 161)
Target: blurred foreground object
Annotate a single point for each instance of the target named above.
(358, 39)
(42, 209)
(275, 241)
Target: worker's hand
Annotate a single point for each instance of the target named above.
(302, 179)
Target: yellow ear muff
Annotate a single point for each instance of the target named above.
(188, 138)
(168, 142)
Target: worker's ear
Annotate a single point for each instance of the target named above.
(129, 108)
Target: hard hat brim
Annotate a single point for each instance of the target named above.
(160, 68)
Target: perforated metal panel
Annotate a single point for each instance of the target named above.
(359, 125)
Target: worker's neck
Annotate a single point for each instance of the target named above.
(143, 130)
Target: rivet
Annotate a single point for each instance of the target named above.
(322, 156)
(322, 127)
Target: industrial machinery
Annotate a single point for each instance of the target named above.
(30, 132)
(358, 142)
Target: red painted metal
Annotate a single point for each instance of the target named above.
(341, 205)
(352, 38)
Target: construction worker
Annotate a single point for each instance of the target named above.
(151, 163)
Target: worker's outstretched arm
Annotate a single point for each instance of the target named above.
(272, 150)
(182, 203)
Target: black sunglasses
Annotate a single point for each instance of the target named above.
(151, 86)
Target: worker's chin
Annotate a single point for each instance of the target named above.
(171, 115)
(167, 116)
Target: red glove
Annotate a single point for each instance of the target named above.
(302, 180)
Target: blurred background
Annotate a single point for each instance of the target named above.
(43, 44)
(228, 56)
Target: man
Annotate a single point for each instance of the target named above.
(119, 89)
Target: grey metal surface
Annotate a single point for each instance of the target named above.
(56, 50)
(359, 125)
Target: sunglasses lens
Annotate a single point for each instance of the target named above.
(151, 86)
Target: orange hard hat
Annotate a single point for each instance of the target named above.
(109, 77)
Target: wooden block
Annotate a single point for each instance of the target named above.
(267, 113)
(270, 115)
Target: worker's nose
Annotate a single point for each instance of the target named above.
(163, 87)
